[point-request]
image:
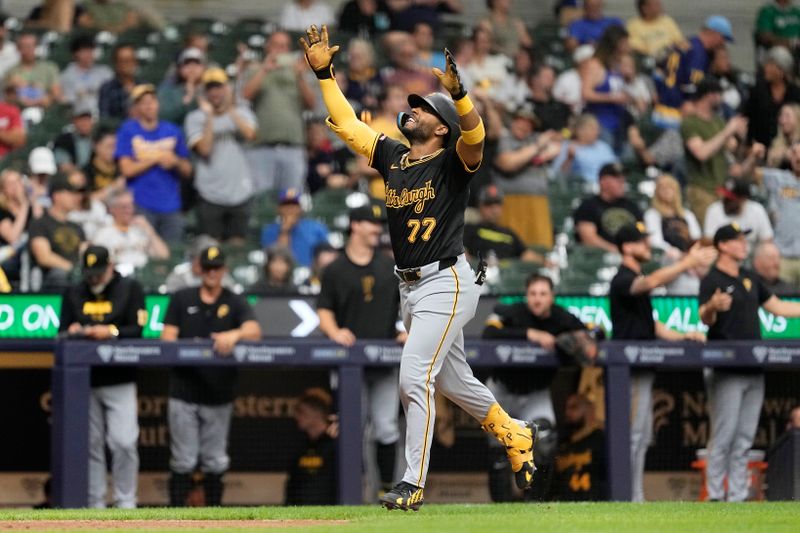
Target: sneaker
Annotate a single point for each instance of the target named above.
(403, 496)
(524, 476)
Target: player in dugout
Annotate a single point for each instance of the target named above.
(201, 397)
(104, 306)
(427, 185)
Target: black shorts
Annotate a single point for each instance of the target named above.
(221, 221)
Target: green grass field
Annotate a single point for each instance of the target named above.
(505, 518)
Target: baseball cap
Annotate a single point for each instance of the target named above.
(63, 182)
(370, 212)
(611, 169)
(289, 196)
(631, 233)
(201, 242)
(490, 195)
(82, 109)
(42, 161)
(191, 54)
(582, 53)
(707, 85)
(212, 257)
(141, 90)
(781, 57)
(721, 25)
(95, 260)
(729, 232)
(526, 111)
(735, 189)
(214, 75)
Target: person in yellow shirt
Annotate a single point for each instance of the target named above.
(653, 31)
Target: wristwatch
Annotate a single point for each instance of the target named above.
(113, 330)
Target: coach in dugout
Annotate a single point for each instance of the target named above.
(201, 397)
(632, 319)
(728, 304)
(105, 306)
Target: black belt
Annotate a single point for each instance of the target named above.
(410, 275)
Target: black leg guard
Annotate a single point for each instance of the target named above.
(386, 456)
(213, 486)
(179, 487)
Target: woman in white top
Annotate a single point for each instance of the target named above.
(673, 229)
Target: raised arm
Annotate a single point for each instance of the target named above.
(470, 145)
(342, 120)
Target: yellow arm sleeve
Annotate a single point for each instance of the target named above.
(344, 123)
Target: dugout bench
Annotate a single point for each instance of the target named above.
(74, 359)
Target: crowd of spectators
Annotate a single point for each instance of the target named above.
(622, 110)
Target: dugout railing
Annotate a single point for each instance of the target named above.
(74, 359)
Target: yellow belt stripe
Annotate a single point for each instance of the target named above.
(428, 379)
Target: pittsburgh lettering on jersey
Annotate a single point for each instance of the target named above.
(416, 197)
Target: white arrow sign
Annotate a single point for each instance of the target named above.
(308, 318)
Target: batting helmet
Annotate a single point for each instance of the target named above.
(443, 107)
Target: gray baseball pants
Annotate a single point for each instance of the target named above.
(641, 427)
(435, 309)
(113, 422)
(197, 430)
(735, 405)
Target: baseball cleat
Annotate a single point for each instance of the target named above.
(403, 496)
(521, 457)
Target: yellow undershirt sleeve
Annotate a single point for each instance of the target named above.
(344, 122)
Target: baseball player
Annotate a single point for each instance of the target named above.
(105, 306)
(632, 319)
(427, 185)
(729, 299)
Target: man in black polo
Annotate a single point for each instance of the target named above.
(728, 304)
(527, 390)
(105, 306)
(201, 398)
(359, 300)
(632, 319)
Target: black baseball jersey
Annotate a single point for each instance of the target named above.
(512, 322)
(312, 475)
(425, 201)
(364, 299)
(631, 314)
(121, 303)
(197, 320)
(486, 237)
(581, 467)
(748, 292)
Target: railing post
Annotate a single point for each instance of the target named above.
(618, 431)
(350, 435)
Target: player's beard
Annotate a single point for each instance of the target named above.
(419, 133)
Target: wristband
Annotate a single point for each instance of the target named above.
(475, 135)
(325, 73)
(463, 104)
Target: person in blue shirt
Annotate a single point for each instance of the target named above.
(686, 65)
(153, 157)
(291, 230)
(589, 28)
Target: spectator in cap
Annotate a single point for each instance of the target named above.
(589, 28)
(509, 33)
(774, 88)
(278, 274)
(705, 136)
(279, 93)
(292, 230)
(82, 79)
(735, 205)
(653, 32)
(187, 274)
(104, 307)
(599, 217)
(584, 154)
(178, 97)
(153, 157)
(12, 129)
(73, 148)
(487, 236)
(9, 55)
(777, 24)
(222, 178)
(114, 97)
(686, 65)
(41, 167)
(767, 264)
(131, 240)
(55, 242)
(567, 87)
(35, 80)
(521, 174)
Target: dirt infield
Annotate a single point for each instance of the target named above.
(144, 525)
